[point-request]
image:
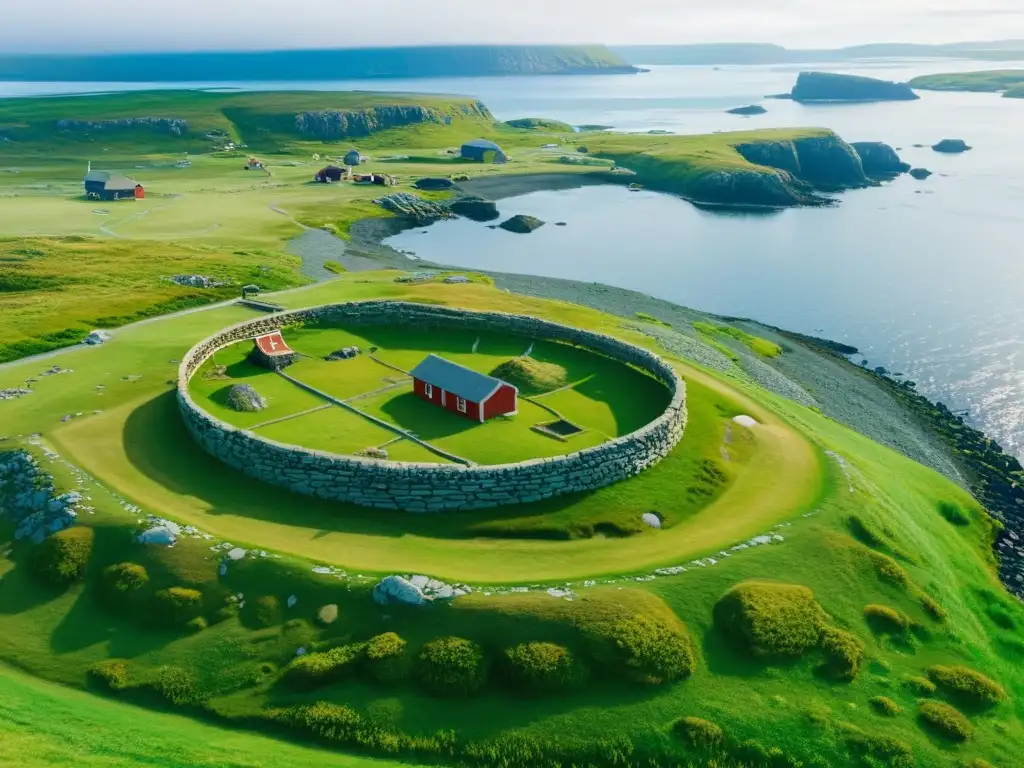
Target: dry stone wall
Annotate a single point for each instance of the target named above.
(434, 487)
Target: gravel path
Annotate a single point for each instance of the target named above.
(316, 247)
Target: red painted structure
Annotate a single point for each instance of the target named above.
(273, 344)
(140, 192)
(462, 390)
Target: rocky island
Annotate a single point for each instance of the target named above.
(1009, 82)
(825, 87)
(752, 109)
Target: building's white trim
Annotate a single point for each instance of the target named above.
(443, 393)
(461, 404)
(428, 390)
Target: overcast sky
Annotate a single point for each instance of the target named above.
(114, 25)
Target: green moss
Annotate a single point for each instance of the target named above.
(542, 667)
(922, 686)
(387, 658)
(843, 653)
(315, 670)
(176, 685)
(968, 685)
(944, 720)
(771, 620)
(111, 674)
(889, 570)
(762, 347)
(699, 733)
(123, 582)
(177, 606)
(531, 376)
(883, 705)
(885, 620)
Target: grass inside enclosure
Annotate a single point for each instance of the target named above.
(604, 397)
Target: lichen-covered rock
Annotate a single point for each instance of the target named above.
(394, 590)
(880, 161)
(521, 224)
(833, 86)
(245, 398)
(475, 208)
(951, 146)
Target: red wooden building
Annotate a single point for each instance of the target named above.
(270, 350)
(462, 390)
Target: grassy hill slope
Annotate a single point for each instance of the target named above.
(1010, 82)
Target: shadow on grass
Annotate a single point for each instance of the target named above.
(427, 421)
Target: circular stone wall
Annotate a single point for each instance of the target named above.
(433, 487)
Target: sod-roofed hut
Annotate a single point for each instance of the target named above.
(107, 185)
(483, 151)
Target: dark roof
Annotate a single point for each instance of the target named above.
(111, 180)
(481, 144)
(457, 379)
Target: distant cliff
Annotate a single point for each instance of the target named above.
(833, 87)
(334, 64)
(340, 124)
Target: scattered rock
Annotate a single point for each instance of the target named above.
(292, 600)
(164, 533)
(327, 615)
(475, 209)
(236, 553)
(346, 353)
(880, 161)
(394, 590)
(560, 224)
(245, 398)
(521, 224)
(920, 173)
(14, 394)
(433, 183)
(197, 281)
(56, 371)
(651, 520)
(457, 279)
(415, 208)
(752, 109)
(29, 499)
(744, 421)
(951, 146)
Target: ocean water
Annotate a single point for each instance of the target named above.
(926, 278)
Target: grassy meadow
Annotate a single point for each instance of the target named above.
(868, 629)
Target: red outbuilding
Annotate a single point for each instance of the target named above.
(462, 390)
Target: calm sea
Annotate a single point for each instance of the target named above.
(926, 278)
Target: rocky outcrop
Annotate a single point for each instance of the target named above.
(29, 499)
(832, 87)
(173, 126)
(951, 146)
(753, 188)
(416, 209)
(880, 161)
(245, 398)
(752, 109)
(521, 224)
(475, 208)
(825, 162)
(327, 125)
(920, 173)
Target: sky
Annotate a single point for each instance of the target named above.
(66, 26)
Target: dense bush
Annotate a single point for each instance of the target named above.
(542, 667)
(61, 559)
(699, 733)
(922, 686)
(198, 624)
(267, 611)
(932, 608)
(889, 570)
(843, 653)
(387, 658)
(953, 514)
(650, 650)
(968, 685)
(111, 674)
(318, 669)
(452, 666)
(177, 606)
(885, 620)
(176, 686)
(877, 748)
(771, 620)
(122, 582)
(883, 705)
(944, 719)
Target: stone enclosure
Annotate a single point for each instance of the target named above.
(434, 487)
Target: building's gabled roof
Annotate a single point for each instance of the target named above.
(273, 344)
(482, 144)
(460, 381)
(111, 180)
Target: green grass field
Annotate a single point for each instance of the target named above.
(854, 522)
(1009, 81)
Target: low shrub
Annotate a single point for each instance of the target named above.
(334, 266)
(883, 705)
(843, 653)
(177, 606)
(944, 719)
(865, 532)
(752, 752)
(922, 686)
(122, 583)
(542, 667)
(198, 624)
(885, 620)
(699, 733)
(649, 650)
(267, 611)
(953, 514)
(977, 763)
(452, 666)
(62, 558)
(531, 376)
(315, 670)
(1001, 617)
(387, 658)
(339, 724)
(771, 620)
(176, 686)
(111, 674)
(889, 570)
(968, 685)
(932, 608)
(877, 748)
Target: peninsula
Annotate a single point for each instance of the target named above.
(1009, 82)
